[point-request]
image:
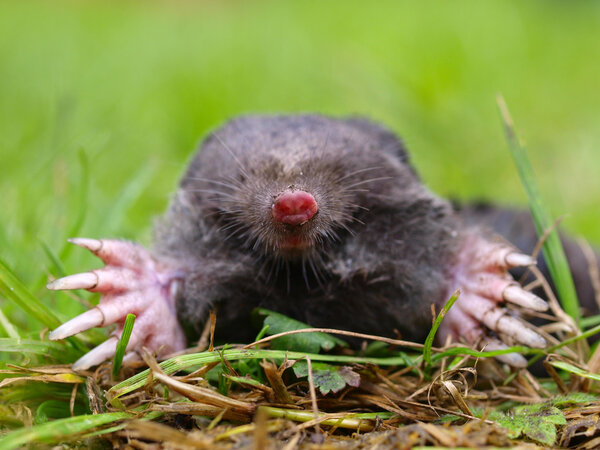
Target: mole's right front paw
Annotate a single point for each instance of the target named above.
(131, 282)
(481, 273)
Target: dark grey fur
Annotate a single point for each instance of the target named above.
(383, 245)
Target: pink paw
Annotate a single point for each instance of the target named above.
(481, 274)
(132, 282)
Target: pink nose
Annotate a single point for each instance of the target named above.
(294, 207)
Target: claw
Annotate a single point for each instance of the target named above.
(98, 355)
(89, 319)
(514, 294)
(515, 259)
(88, 280)
(484, 254)
(496, 319)
(514, 328)
(100, 280)
(107, 312)
(93, 245)
(118, 253)
(512, 359)
(131, 358)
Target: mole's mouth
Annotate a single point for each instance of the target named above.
(294, 207)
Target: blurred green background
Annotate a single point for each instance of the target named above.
(128, 89)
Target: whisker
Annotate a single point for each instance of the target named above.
(324, 146)
(212, 191)
(220, 183)
(345, 227)
(356, 190)
(357, 206)
(235, 158)
(370, 180)
(315, 272)
(230, 226)
(304, 274)
(356, 172)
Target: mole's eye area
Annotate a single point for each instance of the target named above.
(294, 207)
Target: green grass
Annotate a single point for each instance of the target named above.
(102, 104)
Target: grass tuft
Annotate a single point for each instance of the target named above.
(553, 250)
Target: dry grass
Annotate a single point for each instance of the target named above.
(450, 404)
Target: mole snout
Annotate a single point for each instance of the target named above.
(294, 207)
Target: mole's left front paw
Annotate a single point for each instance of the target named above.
(132, 282)
(481, 274)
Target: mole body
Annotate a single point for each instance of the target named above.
(376, 246)
(321, 219)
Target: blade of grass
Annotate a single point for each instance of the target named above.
(60, 430)
(355, 421)
(463, 351)
(57, 351)
(436, 325)
(198, 359)
(574, 370)
(8, 327)
(122, 344)
(12, 288)
(57, 269)
(584, 335)
(553, 250)
(587, 322)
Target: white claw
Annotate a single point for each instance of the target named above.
(89, 319)
(93, 245)
(515, 259)
(518, 296)
(515, 329)
(87, 280)
(98, 355)
(512, 359)
(131, 358)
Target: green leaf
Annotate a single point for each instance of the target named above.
(543, 411)
(328, 378)
(538, 422)
(302, 342)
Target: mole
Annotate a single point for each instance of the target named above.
(322, 219)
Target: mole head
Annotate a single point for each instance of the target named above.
(287, 187)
